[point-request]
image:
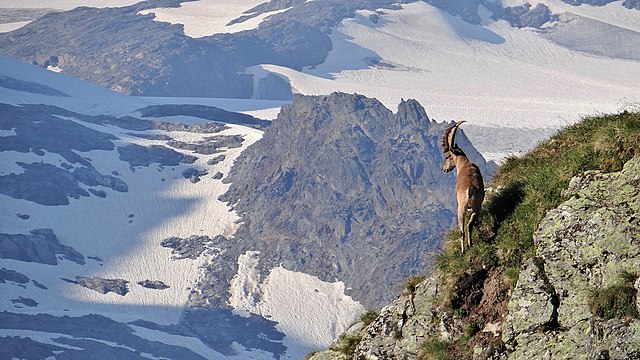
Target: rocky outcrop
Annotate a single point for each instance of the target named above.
(402, 326)
(137, 155)
(40, 246)
(191, 247)
(24, 301)
(153, 284)
(204, 112)
(582, 246)
(210, 145)
(194, 174)
(13, 276)
(103, 286)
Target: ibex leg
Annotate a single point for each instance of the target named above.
(461, 225)
(472, 220)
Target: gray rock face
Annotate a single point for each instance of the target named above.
(47, 184)
(41, 246)
(137, 155)
(525, 16)
(26, 86)
(216, 159)
(273, 87)
(339, 176)
(33, 125)
(103, 286)
(582, 245)
(631, 4)
(92, 336)
(9, 15)
(589, 2)
(210, 145)
(191, 247)
(159, 60)
(91, 177)
(398, 331)
(42, 183)
(12, 275)
(204, 112)
(38, 285)
(24, 301)
(194, 174)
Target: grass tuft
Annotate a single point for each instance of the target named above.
(368, 317)
(435, 349)
(347, 343)
(411, 283)
(617, 301)
(628, 277)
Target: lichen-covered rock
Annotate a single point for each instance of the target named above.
(402, 326)
(583, 245)
(533, 302)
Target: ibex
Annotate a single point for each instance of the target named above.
(469, 184)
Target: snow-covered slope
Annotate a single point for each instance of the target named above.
(115, 229)
(491, 75)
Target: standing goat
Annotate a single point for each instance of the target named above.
(469, 184)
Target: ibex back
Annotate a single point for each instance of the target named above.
(469, 184)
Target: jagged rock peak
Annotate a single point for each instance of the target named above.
(336, 108)
(410, 112)
(340, 175)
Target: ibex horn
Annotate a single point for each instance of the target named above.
(449, 136)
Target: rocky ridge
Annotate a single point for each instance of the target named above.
(160, 60)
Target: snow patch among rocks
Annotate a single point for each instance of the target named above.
(311, 312)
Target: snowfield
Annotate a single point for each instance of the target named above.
(209, 17)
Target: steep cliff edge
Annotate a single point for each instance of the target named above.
(553, 274)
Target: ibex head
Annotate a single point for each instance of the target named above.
(449, 147)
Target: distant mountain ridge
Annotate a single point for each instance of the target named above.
(99, 45)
